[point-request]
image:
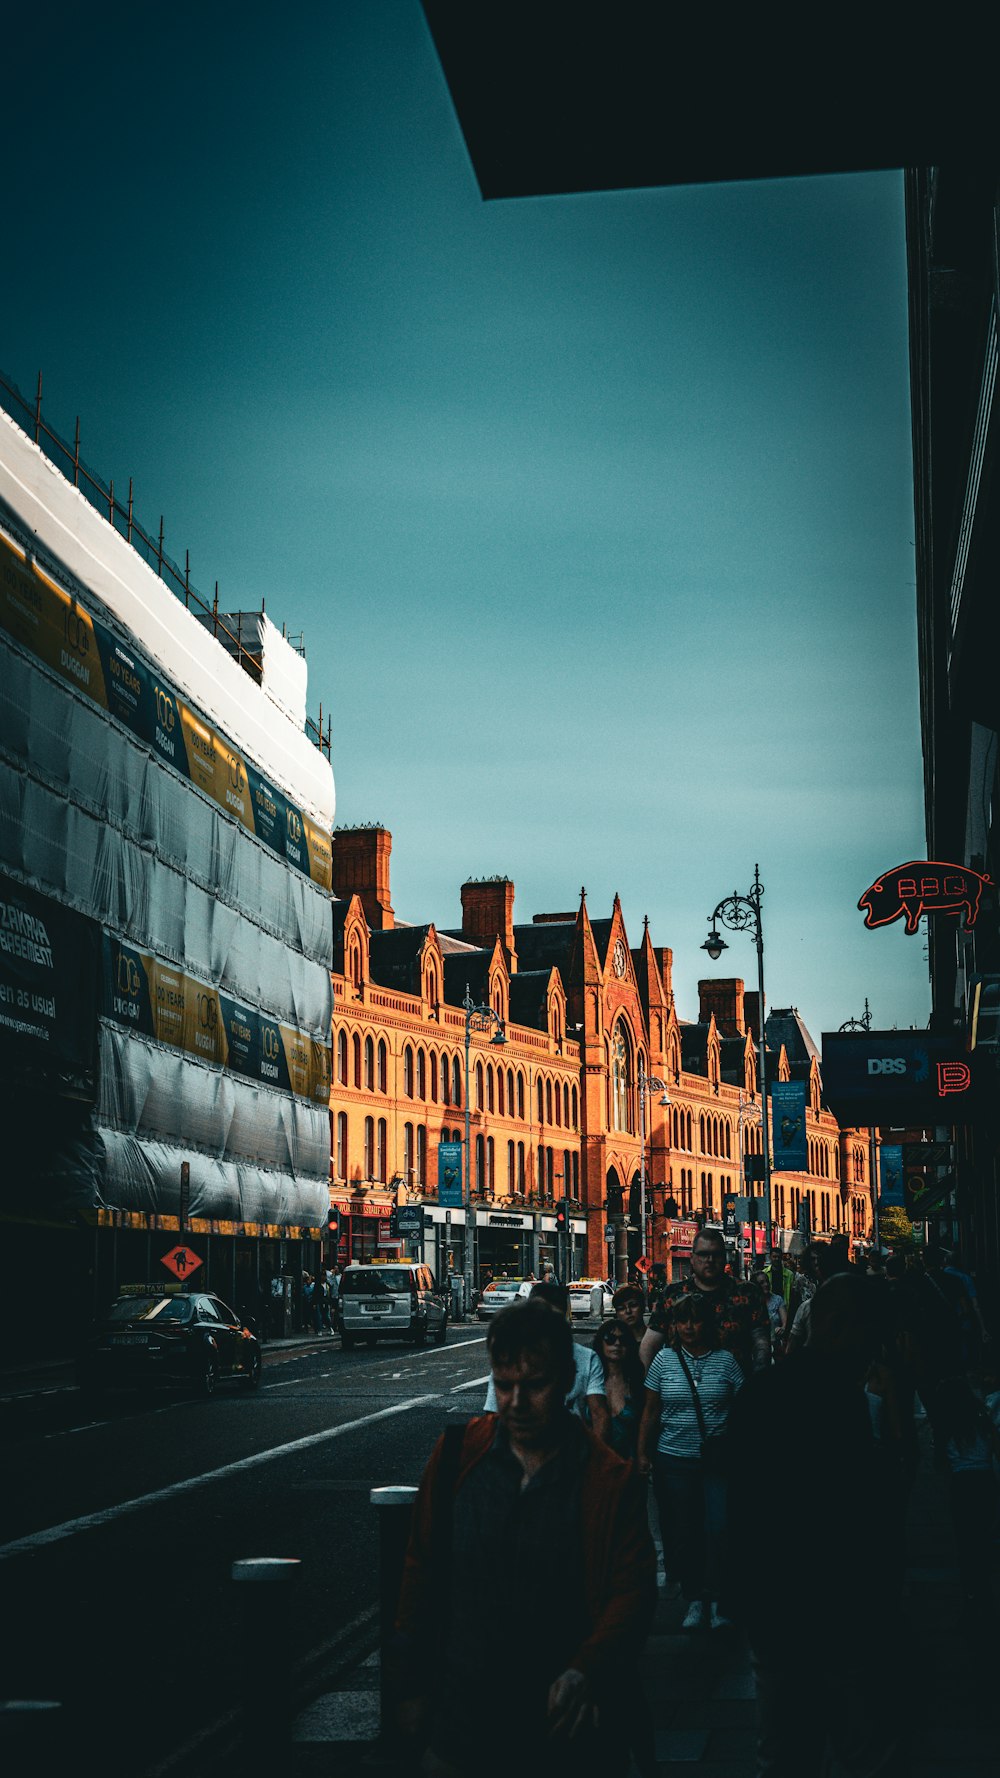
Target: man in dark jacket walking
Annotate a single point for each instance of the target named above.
(523, 1497)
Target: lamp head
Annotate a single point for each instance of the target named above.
(715, 944)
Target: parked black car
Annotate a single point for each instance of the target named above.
(172, 1336)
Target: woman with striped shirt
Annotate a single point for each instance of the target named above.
(695, 1373)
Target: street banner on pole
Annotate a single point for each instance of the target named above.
(450, 1192)
(788, 1126)
(730, 1213)
(891, 1174)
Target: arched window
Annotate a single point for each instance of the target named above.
(511, 1099)
(489, 1087)
(501, 1092)
(434, 1077)
(408, 1153)
(432, 991)
(421, 1154)
(548, 1101)
(520, 1168)
(541, 1101)
(369, 1148)
(456, 1082)
(383, 1070)
(479, 1086)
(421, 1075)
(511, 1174)
(480, 1164)
(342, 1057)
(446, 1080)
(408, 1072)
(565, 1098)
(576, 1174)
(729, 1140)
(520, 1097)
(567, 1173)
(380, 1152)
(690, 1132)
(576, 1109)
(369, 1065)
(356, 1047)
(356, 965)
(342, 1145)
(491, 1171)
(701, 1132)
(621, 1080)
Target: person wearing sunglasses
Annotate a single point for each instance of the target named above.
(624, 1381)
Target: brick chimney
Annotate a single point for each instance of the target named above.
(726, 1000)
(751, 1013)
(361, 867)
(488, 911)
(665, 963)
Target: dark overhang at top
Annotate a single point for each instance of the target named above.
(553, 96)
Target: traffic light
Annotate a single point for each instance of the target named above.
(333, 1225)
(562, 1216)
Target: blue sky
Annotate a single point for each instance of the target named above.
(595, 511)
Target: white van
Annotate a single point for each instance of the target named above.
(395, 1300)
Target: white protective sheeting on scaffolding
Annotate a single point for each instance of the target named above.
(144, 1174)
(285, 676)
(75, 748)
(89, 548)
(64, 851)
(142, 1085)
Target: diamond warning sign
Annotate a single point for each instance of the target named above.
(182, 1261)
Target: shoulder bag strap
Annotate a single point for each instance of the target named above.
(694, 1393)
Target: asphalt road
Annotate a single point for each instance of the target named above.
(119, 1535)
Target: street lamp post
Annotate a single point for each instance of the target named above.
(741, 913)
(865, 1024)
(477, 1018)
(748, 1113)
(658, 1086)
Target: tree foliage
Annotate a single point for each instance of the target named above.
(894, 1227)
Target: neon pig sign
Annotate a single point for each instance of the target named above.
(916, 888)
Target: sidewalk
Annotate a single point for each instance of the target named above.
(701, 1688)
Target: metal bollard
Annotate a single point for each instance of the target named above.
(268, 1706)
(395, 1513)
(32, 1734)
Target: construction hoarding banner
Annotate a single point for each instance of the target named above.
(48, 981)
(100, 869)
(58, 631)
(146, 995)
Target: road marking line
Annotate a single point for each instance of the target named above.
(473, 1383)
(289, 1385)
(71, 1527)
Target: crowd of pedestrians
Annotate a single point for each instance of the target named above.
(768, 1414)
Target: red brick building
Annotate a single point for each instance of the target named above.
(557, 1111)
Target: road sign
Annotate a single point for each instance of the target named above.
(410, 1221)
(182, 1261)
(609, 1235)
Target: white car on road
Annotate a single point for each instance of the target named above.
(500, 1294)
(583, 1301)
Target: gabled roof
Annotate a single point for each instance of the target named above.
(395, 957)
(468, 968)
(694, 1048)
(529, 998)
(549, 945)
(785, 1026)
